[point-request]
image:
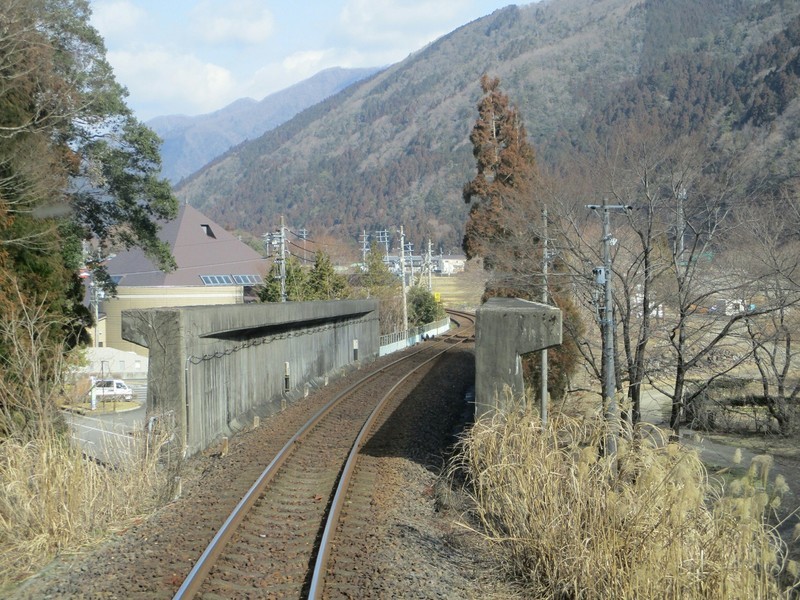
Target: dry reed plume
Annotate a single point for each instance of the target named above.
(570, 526)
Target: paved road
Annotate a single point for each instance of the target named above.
(719, 457)
(108, 437)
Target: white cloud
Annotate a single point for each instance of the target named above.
(310, 61)
(116, 18)
(243, 21)
(278, 75)
(179, 83)
(193, 56)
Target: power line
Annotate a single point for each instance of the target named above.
(323, 244)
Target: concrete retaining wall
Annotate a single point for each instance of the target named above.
(212, 367)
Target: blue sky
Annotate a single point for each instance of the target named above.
(196, 56)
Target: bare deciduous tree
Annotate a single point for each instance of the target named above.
(681, 292)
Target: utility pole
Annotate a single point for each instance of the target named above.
(96, 294)
(607, 323)
(282, 238)
(429, 260)
(364, 247)
(411, 261)
(544, 395)
(383, 238)
(403, 275)
(303, 235)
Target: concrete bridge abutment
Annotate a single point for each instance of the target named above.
(505, 330)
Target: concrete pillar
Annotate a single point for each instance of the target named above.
(505, 329)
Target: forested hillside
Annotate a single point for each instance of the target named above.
(394, 150)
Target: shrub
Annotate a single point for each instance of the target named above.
(52, 498)
(422, 307)
(572, 524)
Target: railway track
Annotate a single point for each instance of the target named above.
(288, 536)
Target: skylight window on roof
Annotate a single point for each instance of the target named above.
(217, 279)
(208, 231)
(247, 279)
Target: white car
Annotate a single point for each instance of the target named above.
(110, 389)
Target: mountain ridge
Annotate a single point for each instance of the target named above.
(394, 149)
(190, 142)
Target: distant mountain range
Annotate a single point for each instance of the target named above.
(191, 142)
(393, 149)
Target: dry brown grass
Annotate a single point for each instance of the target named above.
(571, 524)
(462, 291)
(53, 500)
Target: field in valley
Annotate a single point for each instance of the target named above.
(461, 291)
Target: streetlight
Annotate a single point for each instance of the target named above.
(607, 324)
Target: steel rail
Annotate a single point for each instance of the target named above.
(334, 512)
(194, 580)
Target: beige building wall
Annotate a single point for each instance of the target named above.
(98, 332)
(159, 297)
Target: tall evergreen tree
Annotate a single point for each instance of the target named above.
(506, 173)
(377, 274)
(321, 282)
(75, 164)
(324, 283)
(296, 278)
(379, 282)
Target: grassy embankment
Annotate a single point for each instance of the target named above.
(54, 501)
(568, 523)
(462, 291)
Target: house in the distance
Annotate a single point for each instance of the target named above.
(214, 267)
(449, 264)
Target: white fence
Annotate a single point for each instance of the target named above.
(399, 340)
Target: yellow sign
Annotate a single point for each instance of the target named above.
(437, 296)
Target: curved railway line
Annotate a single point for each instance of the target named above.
(288, 536)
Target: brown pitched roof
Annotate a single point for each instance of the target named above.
(200, 247)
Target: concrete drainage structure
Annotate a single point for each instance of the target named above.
(212, 367)
(507, 328)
